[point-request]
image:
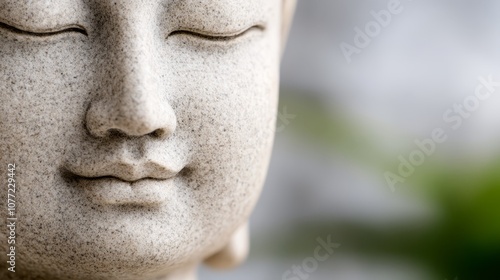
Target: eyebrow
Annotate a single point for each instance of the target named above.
(43, 34)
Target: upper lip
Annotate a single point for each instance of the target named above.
(129, 171)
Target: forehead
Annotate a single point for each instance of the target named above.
(44, 13)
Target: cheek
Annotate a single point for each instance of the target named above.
(42, 92)
(44, 88)
(228, 107)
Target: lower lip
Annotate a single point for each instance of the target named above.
(113, 191)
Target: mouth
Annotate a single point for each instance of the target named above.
(124, 183)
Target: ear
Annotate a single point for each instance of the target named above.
(235, 251)
(288, 9)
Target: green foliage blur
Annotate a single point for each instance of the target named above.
(465, 240)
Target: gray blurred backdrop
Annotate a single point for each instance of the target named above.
(343, 125)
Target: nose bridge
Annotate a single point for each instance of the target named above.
(133, 61)
(132, 101)
(135, 83)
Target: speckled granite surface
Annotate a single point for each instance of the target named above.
(140, 132)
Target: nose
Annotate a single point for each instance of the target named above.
(131, 100)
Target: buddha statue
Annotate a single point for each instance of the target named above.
(135, 134)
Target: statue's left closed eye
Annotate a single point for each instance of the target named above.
(213, 36)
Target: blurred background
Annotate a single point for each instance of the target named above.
(352, 107)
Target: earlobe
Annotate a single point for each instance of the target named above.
(288, 9)
(235, 251)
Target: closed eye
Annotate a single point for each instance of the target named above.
(216, 36)
(65, 29)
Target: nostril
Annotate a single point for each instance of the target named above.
(116, 133)
(159, 133)
(105, 118)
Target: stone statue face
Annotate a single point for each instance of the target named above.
(141, 130)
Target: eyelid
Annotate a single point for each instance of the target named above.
(44, 33)
(216, 36)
